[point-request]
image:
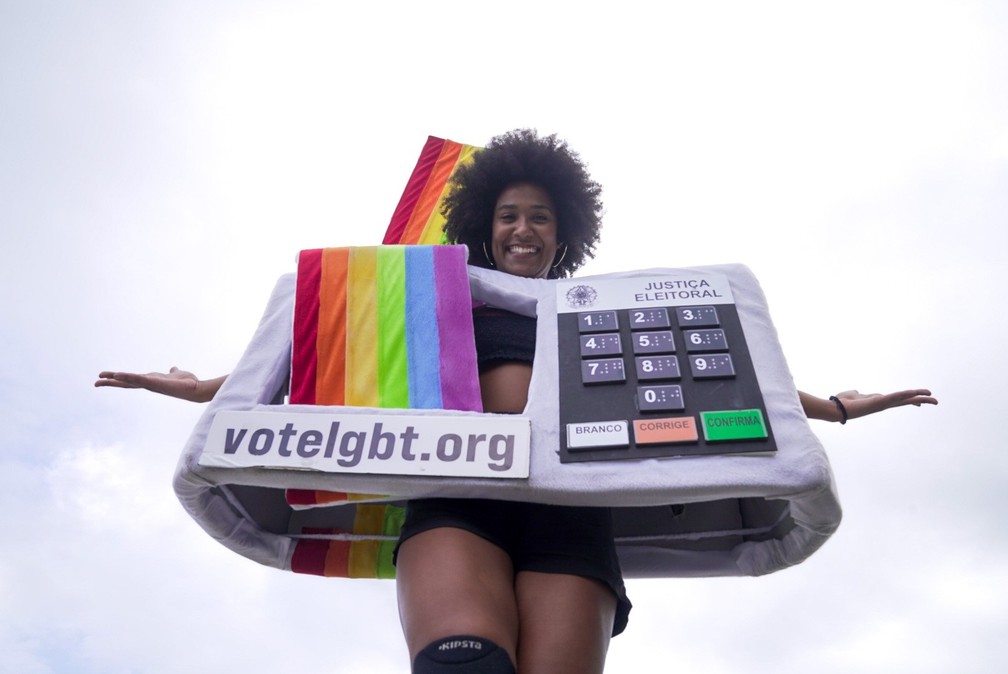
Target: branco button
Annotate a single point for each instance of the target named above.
(733, 425)
(593, 434)
(661, 431)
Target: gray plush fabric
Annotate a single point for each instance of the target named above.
(742, 514)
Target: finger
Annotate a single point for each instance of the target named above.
(113, 383)
(912, 392)
(134, 380)
(914, 399)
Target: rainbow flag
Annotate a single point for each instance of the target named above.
(379, 326)
(365, 552)
(384, 326)
(300, 499)
(363, 335)
(417, 218)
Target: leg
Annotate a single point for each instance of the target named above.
(452, 582)
(566, 622)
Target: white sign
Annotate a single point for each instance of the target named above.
(662, 290)
(598, 434)
(387, 444)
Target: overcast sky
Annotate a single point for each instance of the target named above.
(162, 163)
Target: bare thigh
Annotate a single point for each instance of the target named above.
(566, 622)
(453, 582)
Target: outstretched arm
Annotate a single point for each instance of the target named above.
(175, 383)
(856, 404)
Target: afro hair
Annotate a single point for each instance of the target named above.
(522, 156)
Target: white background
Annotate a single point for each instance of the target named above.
(162, 163)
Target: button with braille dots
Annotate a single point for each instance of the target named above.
(602, 371)
(712, 366)
(649, 319)
(706, 340)
(657, 367)
(597, 321)
(658, 341)
(697, 317)
(666, 397)
(601, 344)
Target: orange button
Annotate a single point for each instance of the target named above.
(670, 429)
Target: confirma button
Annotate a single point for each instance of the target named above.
(733, 425)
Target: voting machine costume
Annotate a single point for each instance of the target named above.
(662, 393)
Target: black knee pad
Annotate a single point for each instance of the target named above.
(463, 655)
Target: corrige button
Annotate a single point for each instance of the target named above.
(669, 429)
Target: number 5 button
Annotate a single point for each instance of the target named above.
(659, 341)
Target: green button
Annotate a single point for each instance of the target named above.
(733, 425)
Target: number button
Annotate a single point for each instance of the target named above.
(660, 341)
(602, 371)
(660, 398)
(657, 367)
(714, 366)
(643, 319)
(607, 344)
(697, 317)
(597, 321)
(706, 340)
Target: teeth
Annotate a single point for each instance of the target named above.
(522, 250)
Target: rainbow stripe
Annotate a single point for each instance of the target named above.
(312, 498)
(380, 326)
(417, 218)
(364, 553)
(384, 326)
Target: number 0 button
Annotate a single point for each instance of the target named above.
(660, 398)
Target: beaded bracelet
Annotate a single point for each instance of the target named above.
(840, 406)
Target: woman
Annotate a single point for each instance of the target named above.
(491, 569)
(486, 585)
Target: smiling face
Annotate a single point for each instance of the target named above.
(524, 234)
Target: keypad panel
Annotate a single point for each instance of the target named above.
(652, 381)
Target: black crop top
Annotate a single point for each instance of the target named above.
(502, 336)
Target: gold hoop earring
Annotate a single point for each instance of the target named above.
(561, 257)
(487, 256)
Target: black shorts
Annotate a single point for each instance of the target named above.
(537, 537)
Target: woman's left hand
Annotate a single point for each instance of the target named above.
(862, 404)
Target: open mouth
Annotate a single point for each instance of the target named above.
(522, 249)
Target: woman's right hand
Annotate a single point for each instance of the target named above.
(176, 383)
